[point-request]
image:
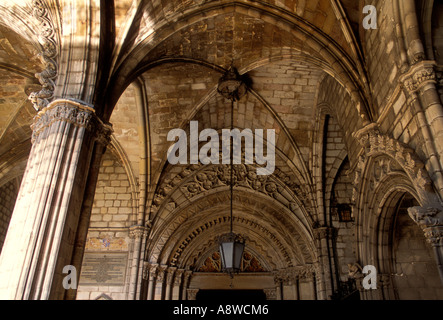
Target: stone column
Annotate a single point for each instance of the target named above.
(138, 234)
(431, 222)
(323, 235)
(177, 284)
(43, 227)
(169, 277)
(152, 277)
(420, 86)
(159, 284)
(186, 280)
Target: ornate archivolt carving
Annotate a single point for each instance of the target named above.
(406, 161)
(278, 186)
(48, 56)
(419, 74)
(221, 220)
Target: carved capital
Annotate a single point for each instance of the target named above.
(161, 272)
(178, 277)
(271, 294)
(192, 293)
(74, 113)
(421, 73)
(137, 232)
(170, 274)
(151, 271)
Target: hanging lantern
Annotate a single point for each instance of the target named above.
(231, 252)
(232, 86)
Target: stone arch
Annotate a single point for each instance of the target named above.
(271, 218)
(386, 172)
(317, 42)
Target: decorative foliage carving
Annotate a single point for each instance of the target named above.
(48, 56)
(137, 232)
(279, 186)
(421, 73)
(72, 112)
(401, 159)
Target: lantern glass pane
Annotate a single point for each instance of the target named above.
(238, 254)
(228, 254)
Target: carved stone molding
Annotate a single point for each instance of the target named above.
(72, 112)
(431, 221)
(161, 272)
(426, 217)
(406, 160)
(170, 272)
(48, 56)
(290, 275)
(278, 186)
(192, 293)
(211, 224)
(151, 270)
(178, 277)
(419, 74)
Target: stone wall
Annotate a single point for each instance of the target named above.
(416, 275)
(108, 233)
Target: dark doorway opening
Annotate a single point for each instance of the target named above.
(234, 295)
